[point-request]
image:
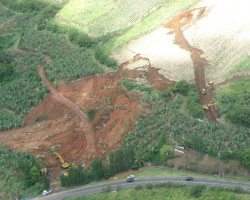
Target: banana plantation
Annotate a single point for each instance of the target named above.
(167, 117)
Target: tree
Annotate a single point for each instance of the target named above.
(111, 163)
(166, 150)
(6, 70)
(138, 158)
(182, 87)
(83, 40)
(35, 174)
(46, 181)
(246, 159)
(91, 113)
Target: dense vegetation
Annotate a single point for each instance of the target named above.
(7, 41)
(25, 165)
(24, 6)
(167, 190)
(119, 161)
(162, 116)
(234, 100)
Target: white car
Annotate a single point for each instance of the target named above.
(200, 120)
(131, 176)
(45, 192)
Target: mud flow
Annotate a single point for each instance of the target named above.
(175, 25)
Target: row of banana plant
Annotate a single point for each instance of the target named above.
(167, 117)
(68, 63)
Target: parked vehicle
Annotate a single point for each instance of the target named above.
(45, 192)
(189, 179)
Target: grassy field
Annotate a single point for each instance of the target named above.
(8, 41)
(240, 68)
(84, 12)
(124, 14)
(111, 15)
(163, 193)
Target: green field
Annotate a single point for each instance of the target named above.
(142, 16)
(84, 12)
(240, 68)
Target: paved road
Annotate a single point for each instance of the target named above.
(98, 188)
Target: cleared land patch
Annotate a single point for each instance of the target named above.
(224, 36)
(223, 39)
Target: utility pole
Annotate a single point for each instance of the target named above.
(219, 163)
(153, 156)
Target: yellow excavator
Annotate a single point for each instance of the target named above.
(66, 173)
(64, 165)
(44, 169)
(204, 91)
(208, 106)
(210, 82)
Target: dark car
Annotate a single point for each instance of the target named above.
(189, 179)
(130, 180)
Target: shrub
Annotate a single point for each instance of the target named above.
(183, 185)
(186, 167)
(238, 190)
(91, 113)
(104, 190)
(196, 191)
(149, 185)
(182, 87)
(229, 189)
(171, 165)
(118, 188)
(176, 185)
(168, 184)
(158, 185)
(205, 171)
(135, 166)
(214, 188)
(108, 189)
(138, 187)
(73, 34)
(227, 171)
(180, 167)
(165, 164)
(235, 172)
(83, 40)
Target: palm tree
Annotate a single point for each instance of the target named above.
(138, 158)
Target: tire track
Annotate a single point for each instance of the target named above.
(84, 121)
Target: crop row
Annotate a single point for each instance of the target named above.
(166, 117)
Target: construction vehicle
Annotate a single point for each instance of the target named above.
(66, 173)
(208, 106)
(44, 169)
(204, 91)
(210, 82)
(64, 165)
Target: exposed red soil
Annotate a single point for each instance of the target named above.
(66, 107)
(199, 63)
(67, 127)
